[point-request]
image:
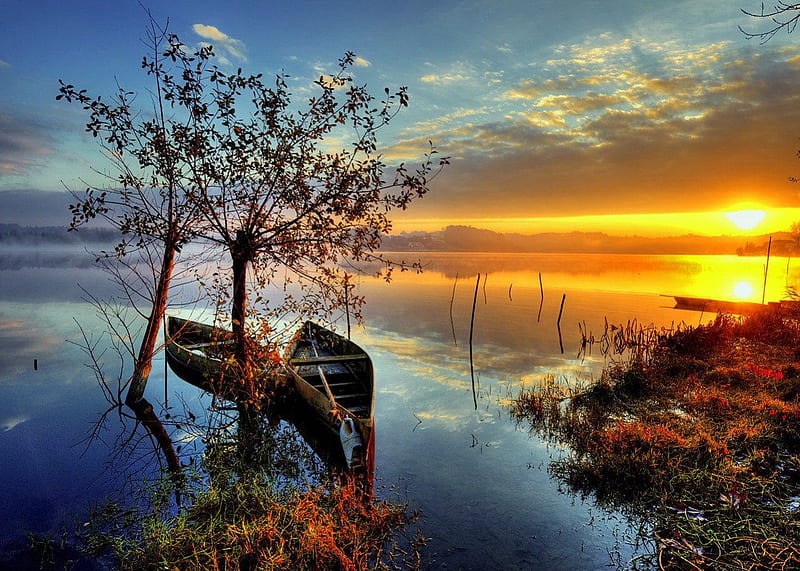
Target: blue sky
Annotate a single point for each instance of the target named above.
(549, 109)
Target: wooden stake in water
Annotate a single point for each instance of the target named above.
(788, 259)
(561, 310)
(766, 271)
(471, 329)
(541, 300)
(347, 301)
(558, 323)
(452, 325)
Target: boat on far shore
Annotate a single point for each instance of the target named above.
(724, 306)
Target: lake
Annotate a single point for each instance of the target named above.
(479, 481)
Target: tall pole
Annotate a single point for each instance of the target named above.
(471, 327)
(766, 271)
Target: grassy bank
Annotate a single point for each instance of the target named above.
(255, 525)
(279, 507)
(696, 434)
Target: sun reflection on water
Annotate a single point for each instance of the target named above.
(743, 290)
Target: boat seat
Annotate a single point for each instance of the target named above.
(358, 409)
(194, 346)
(341, 384)
(351, 396)
(322, 359)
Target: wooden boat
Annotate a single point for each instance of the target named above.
(335, 378)
(717, 305)
(195, 351)
(733, 307)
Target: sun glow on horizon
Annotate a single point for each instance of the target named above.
(746, 219)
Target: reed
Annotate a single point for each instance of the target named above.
(587, 340)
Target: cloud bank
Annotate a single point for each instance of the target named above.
(621, 125)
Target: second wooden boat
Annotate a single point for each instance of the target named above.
(195, 351)
(334, 376)
(717, 305)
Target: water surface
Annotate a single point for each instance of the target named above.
(479, 481)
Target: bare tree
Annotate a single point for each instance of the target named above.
(274, 192)
(150, 204)
(234, 162)
(782, 16)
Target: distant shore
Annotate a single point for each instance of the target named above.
(15, 234)
(468, 239)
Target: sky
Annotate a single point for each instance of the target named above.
(623, 116)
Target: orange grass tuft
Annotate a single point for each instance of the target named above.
(252, 525)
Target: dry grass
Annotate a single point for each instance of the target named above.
(276, 507)
(697, 434)
(256, 525)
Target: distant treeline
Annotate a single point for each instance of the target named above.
(777, 247)
(468, 239)
(16, 234)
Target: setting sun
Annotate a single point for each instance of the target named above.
(746, 219)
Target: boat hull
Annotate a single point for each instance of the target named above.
(729, 307)
(334, 377)
(188, 351)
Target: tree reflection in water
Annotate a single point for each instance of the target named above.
(287, 503)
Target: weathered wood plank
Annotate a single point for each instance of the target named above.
(328, 359)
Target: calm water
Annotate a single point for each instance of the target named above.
(479, 480)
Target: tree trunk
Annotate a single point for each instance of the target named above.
(144, 359)
(144, 365)
(244, 372)
(240, 256)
